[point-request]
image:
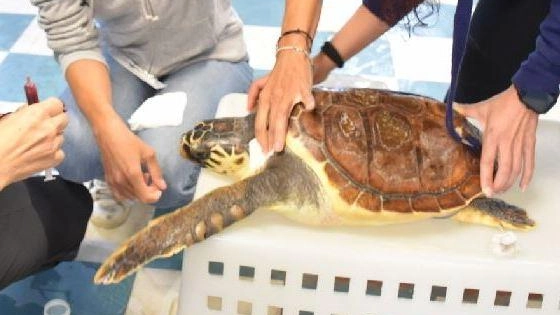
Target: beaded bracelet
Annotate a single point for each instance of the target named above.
(294, 48)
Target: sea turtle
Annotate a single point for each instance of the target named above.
(361, 157)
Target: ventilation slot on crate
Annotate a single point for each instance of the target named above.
(502, 298)
(305, 313)
(277, 277)
(246, 273)
(341, 284)
(309, 281)
(374, 287)
(406, 290)
(244, 308)
(438, 293)
(214, 303)
(470, 296)
(534, 300)
(216, 268)
(274, 310)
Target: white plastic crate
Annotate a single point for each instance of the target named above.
(269, 265)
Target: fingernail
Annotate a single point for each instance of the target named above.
(487, 191)
(278, 146)
(158, 194)
(162, 184)
(523, 188)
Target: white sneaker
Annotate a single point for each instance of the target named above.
(107, 212)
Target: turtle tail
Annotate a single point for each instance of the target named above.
(171, 233)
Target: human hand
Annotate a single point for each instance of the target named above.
(131, 167)
(276, 94)
(509, 138)
(32, 140)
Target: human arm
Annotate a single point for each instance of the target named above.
(509, 125)
(291, 79)
(361, 29)
(72, 35)
(32, 140)
(122, 152)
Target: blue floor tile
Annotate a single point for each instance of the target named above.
(71, 281)
(261, 13)
(11, 27)
(44, 71)
(435, 90)
(174, 262)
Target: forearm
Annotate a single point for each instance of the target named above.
(363, 28)
(92, 92)
(359, 31)
(302, 15)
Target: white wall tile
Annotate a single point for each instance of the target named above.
(421, 58)
(335, 13)
(3, 55)
(261, 43)
(32, 41)
(17, 6)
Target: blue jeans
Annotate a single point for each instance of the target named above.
(204, 82)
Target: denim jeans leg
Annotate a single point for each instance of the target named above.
(205, 83)
(83, 160)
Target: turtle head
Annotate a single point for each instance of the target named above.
(219, 144)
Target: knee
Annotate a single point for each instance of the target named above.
(181, 182)
(82, 159)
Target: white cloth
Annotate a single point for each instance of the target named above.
(159, 111)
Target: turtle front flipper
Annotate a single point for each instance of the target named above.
(171, 233)
(495, 212)
(211, 213)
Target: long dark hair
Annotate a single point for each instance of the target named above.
(417, 17)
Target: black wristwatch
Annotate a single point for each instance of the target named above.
(539, 102)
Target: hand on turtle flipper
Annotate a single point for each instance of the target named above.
(127, 162)
(509, 138)
(289, 83)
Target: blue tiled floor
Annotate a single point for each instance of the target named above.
(42, 69)
(69, 281)
(16, 24)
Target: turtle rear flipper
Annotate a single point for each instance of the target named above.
(495, 212)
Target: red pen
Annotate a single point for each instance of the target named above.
(33, 98)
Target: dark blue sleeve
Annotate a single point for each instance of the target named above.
(391, 11)
(541, 71)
